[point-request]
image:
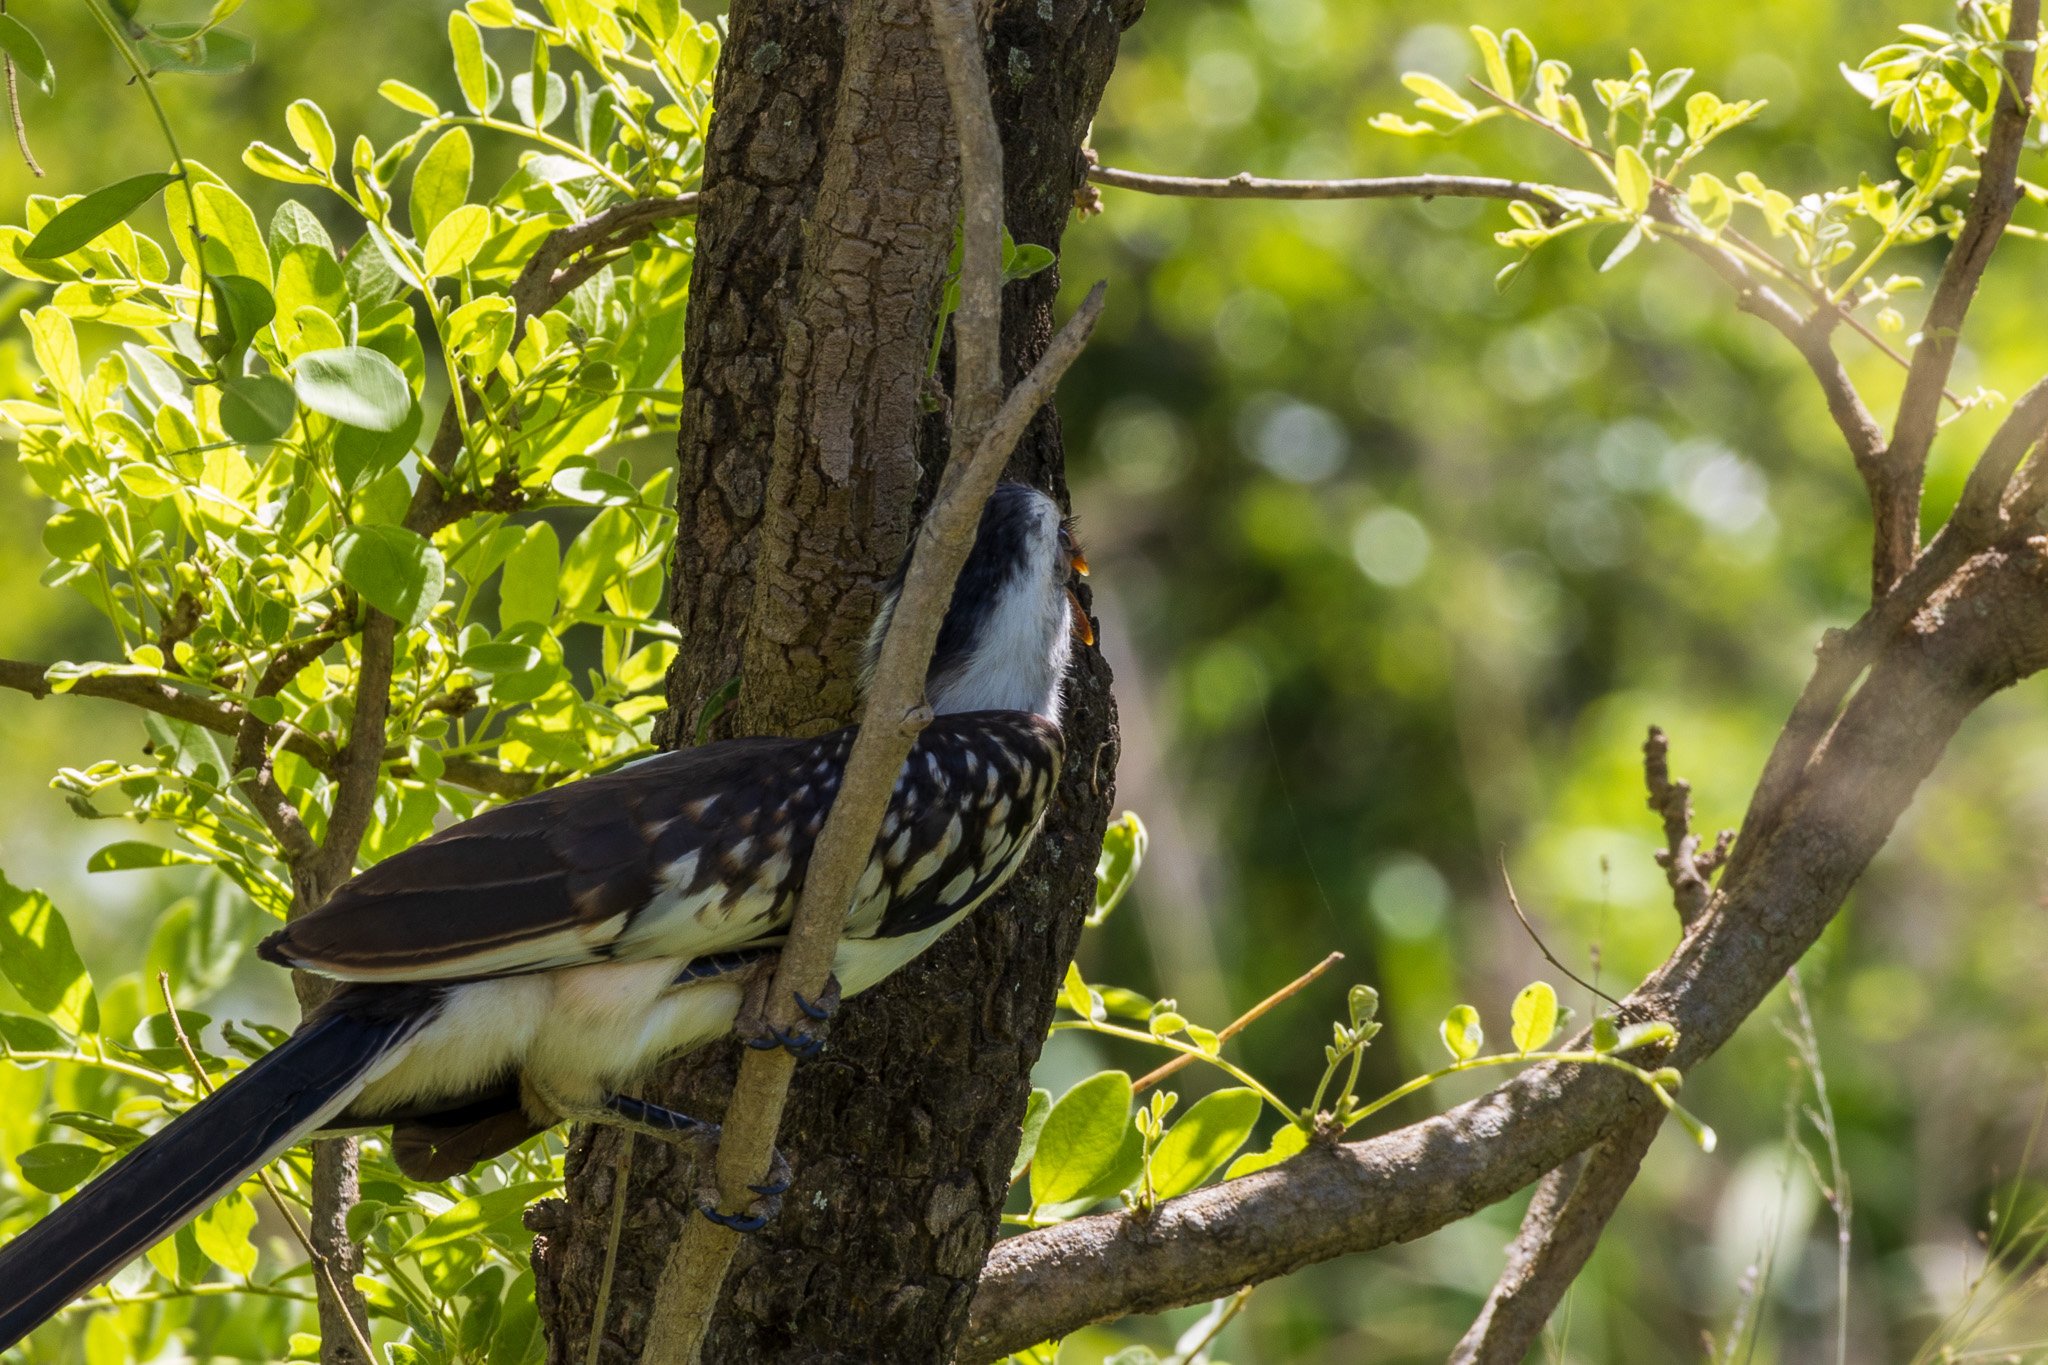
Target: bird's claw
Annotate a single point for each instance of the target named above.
(802, 1041)
(825, 1006)
(738, 1222)
(762, 1210)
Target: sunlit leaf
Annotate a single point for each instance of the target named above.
(1202, 1139)
(396, 570)
(82, 223)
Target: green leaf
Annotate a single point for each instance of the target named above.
(1709, 201)
(223, 1233)
(20, 1033)
(234, 243)
(1123, 852)
(242, 307)
(1605, 1035)
(130, 855)
(1535, 1016)
(255, 409)
(1082, 1138)
(526, 587)
(1462, 1033)
(59, 1166)
(409, 98)
(1495, 61)
(38, 960)
(194, 49)
(1035, 1110)
(597, 557)
(354, 384)
(29, 58)
(470, 62)
(456, 239)
(268, 162)
(361, 455)
(396, 570)
(469, 1217)
(81, 223)
(1631, 178)
(1208, 1135)
(1623, 247)
(1643, 1035)
(1289, 1141)
(312, 132)
(441, 182)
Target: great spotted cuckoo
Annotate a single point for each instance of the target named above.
(529, 966)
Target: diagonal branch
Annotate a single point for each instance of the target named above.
(1983, 630)
(986, 427)
(1559, 1232)
(1984, 222)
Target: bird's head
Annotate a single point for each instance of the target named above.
(1010, 628)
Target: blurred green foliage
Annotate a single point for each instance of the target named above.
(1397, 569)
(228, 426)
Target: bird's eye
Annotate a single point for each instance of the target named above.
(1070, 550)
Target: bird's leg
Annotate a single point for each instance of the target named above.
(642, 1116)
(698, 1137)
(803, 1039)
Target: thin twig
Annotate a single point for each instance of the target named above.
(986, 427)
(14, 111)
(225, 718)
(291, 1220)
(622, 1175)
(1241, 1023)
(1515, 904)
(1245, 185)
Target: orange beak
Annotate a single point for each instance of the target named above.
(1083, 627)
(1080, 563)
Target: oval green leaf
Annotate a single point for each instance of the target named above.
(55, 1167)
(396, 570)
(78, 225)
(1082, 1138)
(1535, 1016)
(257, 408)
(29, 58)
(1208, 1135)
(456, 239)
(354, 384)
(1462, 1033)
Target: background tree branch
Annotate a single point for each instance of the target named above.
(1984, 630)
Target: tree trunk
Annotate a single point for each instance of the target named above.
(828, 212)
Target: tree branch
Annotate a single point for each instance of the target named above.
(1245, 185)
(1688, 870)
(226, 718)
(550, 275)
(986, 426)
(1980, 632)
(1991, 208)
(1560, 1230)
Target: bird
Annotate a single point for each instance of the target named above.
(534, 963)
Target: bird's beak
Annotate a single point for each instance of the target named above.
(1080, 563)
(1083, 628)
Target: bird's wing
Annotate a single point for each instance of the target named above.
(663, 856)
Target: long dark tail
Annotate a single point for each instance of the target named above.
(177, 1172)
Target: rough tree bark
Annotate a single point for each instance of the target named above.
(827, 214)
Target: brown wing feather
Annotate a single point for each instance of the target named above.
(550, 880)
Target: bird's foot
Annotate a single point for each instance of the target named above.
(802, 1040)
(767, 1201)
